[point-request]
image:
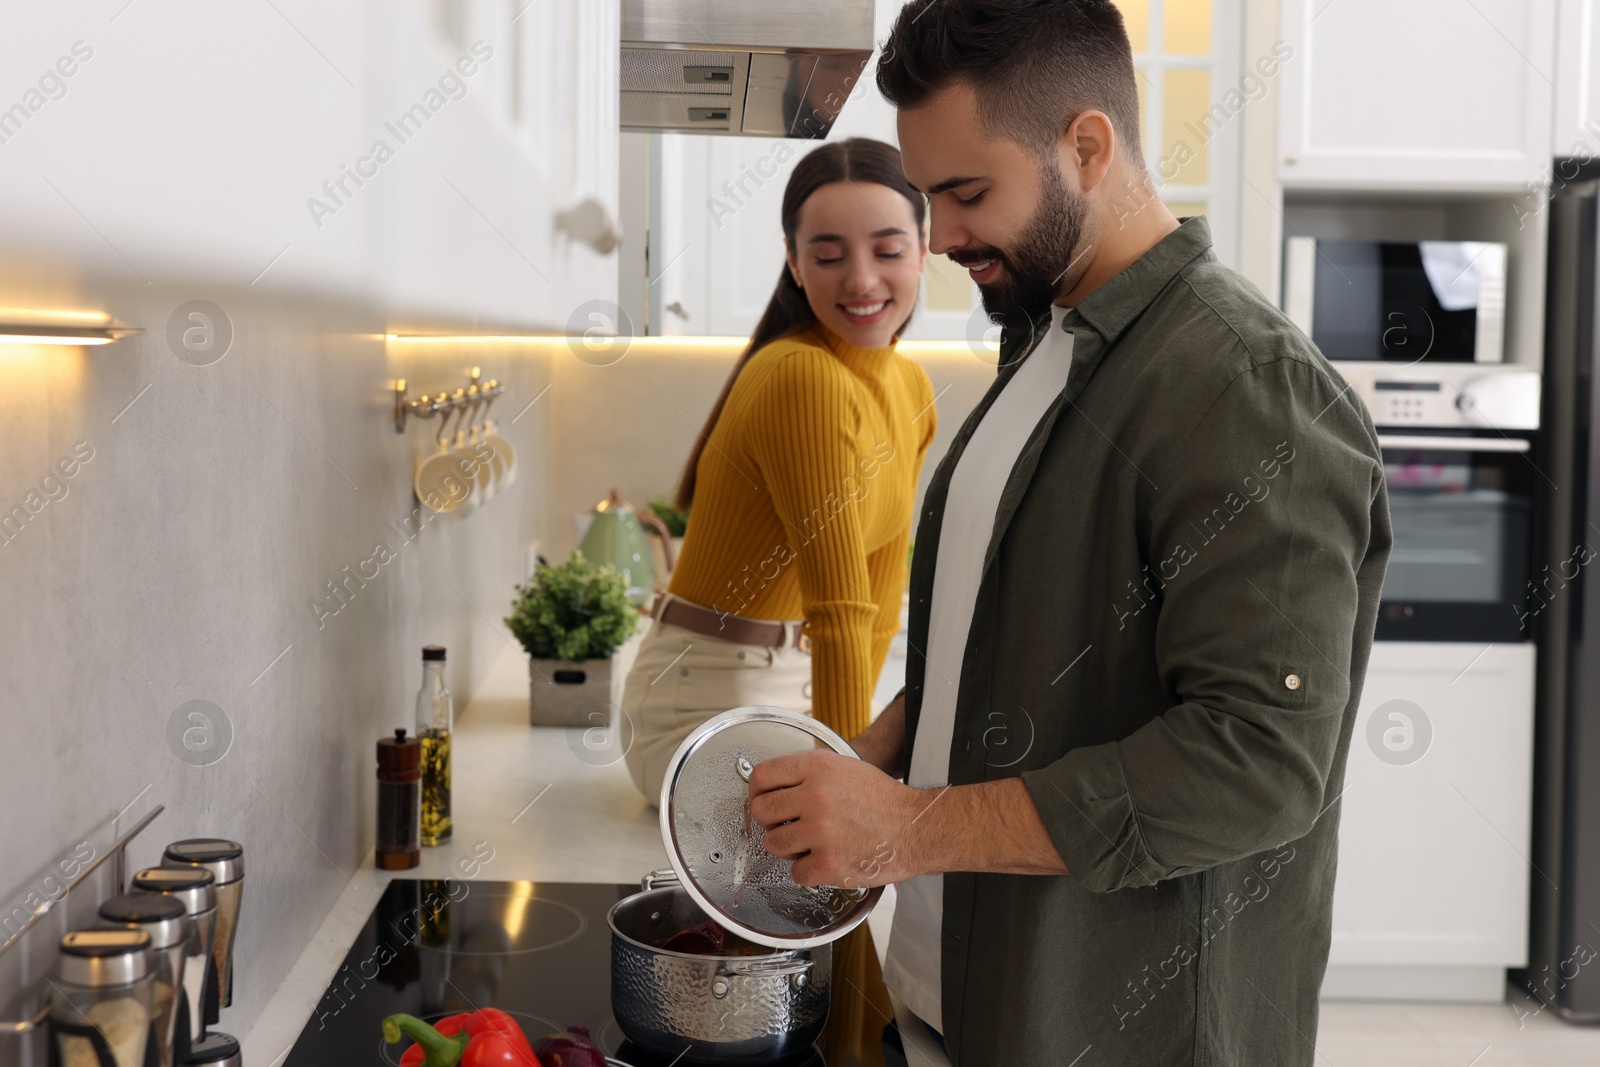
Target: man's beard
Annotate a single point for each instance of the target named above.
(1032, 271)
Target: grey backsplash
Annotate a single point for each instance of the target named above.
(182, 559)
(208, 509)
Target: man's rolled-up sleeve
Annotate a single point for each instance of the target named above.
(1260, 523)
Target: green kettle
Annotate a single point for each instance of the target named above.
(615, 536)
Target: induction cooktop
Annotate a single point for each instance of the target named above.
(539, 951)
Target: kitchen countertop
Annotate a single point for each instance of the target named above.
(529, 804)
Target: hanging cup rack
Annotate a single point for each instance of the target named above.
(427, 406)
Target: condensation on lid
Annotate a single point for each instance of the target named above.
(719, 852)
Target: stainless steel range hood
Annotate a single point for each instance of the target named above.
(754, 68)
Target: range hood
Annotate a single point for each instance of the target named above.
(773, 68)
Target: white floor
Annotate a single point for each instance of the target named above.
(1513, 1034)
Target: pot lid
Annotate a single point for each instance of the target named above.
(717, 850)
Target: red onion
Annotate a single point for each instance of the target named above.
(571, 1048)
(703, 939)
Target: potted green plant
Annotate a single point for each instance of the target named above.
(570, 618)
(677, 520)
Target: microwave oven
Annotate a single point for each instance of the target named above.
(1399, 302)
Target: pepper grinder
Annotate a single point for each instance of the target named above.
(225, 860)
(399, 802)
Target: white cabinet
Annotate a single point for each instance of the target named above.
(1577, 129)
(716, 245)
(559, 93)
(1431, 897)
(399, 158)
(1434, 94)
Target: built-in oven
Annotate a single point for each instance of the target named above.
(1461, 461)
(1462, 505)
(1460, 458)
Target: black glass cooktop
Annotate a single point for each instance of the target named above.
(538, 951)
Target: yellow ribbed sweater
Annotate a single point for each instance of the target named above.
(803, 502)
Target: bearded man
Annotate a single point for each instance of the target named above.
(1142, 601)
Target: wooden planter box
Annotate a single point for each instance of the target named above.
(568, 692)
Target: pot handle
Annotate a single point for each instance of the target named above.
(659, 877)
(779, 966)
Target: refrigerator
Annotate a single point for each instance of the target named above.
(1563, 974)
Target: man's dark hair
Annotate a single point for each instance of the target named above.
(1035, 65)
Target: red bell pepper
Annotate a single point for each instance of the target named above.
(484, 1038)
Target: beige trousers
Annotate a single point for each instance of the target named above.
(682, 678)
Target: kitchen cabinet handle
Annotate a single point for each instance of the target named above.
(592, 224)
(1453, 444)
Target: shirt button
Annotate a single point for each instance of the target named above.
(684, 671)
(1292, 682)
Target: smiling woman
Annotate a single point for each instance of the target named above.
(803, 479)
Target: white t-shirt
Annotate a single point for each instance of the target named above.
(912, 967)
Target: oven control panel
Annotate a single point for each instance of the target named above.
(1401, 403)
(1444, 396)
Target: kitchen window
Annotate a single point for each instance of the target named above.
(1194, 88)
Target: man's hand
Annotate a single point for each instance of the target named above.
(883, 743)
(843, 821)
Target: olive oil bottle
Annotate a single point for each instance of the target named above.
(435, 721)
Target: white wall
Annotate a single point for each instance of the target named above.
(219, 500)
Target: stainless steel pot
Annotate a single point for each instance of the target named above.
(730, 1009)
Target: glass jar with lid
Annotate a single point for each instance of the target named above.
(225, 860)
(166, 920)
(100, 998)
(195, 888)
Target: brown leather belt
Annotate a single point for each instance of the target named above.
(769, 633)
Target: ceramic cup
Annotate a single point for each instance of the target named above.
(470, 471)
(479, 459)
(504, 455)
(439, 482)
